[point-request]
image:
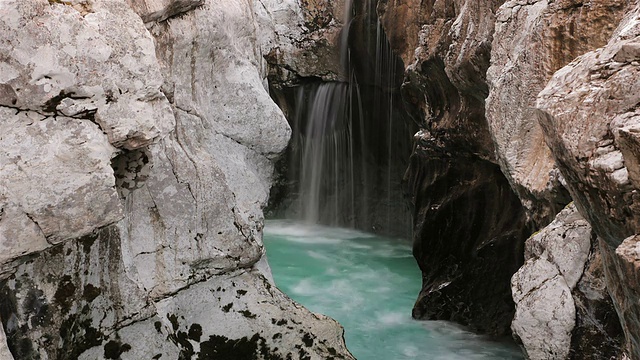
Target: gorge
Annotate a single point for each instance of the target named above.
(141, 141)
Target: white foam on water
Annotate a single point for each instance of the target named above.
(290, 229)
(370, 284)
(318, 255)
(410, 351)
(306, 287)
(393, 318)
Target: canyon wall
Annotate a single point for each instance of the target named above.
(138, 146)
(494, 161)
(469, 225)
(138, 138)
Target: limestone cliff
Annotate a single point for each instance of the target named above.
(531, 41)
(138, 139)
(488, 168)
(588, 113)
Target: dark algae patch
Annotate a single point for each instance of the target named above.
(248, 314)
(174, 321)
(307, 340)
(114, 348)
(222, 348)
(195, 332)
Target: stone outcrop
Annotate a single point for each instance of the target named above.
(532, 40)
(65, 118)
(563, 309)
(621, 269)
(138, 140)
(467, 248)
(588, 113)
(307, 41)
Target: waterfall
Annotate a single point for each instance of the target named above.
(350, 142)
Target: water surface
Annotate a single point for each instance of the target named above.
(369, 284)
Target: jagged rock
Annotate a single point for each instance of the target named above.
(187, 172)
(59, 61)
(545, 311)
(565, 243)
(307, 40)
(67, 77)
(532, 40)
(57, 182)
(599, 89)
(460, 197)
(621, 268)
(588, 112)
(562, 307)
(446, 64)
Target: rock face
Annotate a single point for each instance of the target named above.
(563, 309)
(138, 140)
(531, 41)
(466, 246)
(458, 241)
(588, 113)
(478, 122)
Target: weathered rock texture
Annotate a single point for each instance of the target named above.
(563, 309)
(307, 41)
(137, 144)
(469, 225)
(531, 41)
(589, 116)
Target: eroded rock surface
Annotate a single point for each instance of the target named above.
(588, 115)
(469, 225)
(138, 140)
(532, 40)
(563, 309)
(460, 243)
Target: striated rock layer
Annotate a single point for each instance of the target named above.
(138, 140)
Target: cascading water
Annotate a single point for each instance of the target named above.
(324, 144)
(350, 140)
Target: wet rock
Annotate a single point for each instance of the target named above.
(469, 229)
(465, 245)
